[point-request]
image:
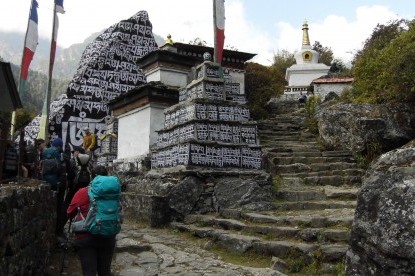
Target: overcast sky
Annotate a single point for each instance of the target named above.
(262, 27)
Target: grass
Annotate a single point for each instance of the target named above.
(277, 182)
(249, 258)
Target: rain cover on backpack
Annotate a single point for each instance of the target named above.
(104, 215)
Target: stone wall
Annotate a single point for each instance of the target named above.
(157, 197)
(27, 224)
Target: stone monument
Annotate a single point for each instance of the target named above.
(207, 157)
(209, 127)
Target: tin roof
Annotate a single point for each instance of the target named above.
(333, 80)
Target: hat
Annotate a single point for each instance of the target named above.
(86, 128)
(57, 142)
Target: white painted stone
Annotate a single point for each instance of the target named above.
(137, 130)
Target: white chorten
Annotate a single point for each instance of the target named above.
(306, 69)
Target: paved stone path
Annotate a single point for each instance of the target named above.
(146, 251)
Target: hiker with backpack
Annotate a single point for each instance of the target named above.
(52, 170)
(78, 176)
(96, 210)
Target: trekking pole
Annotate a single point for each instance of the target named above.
(65, 249)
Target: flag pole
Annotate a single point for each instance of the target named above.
(21, 87)
(215, 38)
(44, 119)
(219, 29)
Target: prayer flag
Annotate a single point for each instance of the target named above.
(31, 40)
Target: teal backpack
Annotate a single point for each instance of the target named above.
(104, 215)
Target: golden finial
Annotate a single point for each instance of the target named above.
(169, 40)
(306, 39)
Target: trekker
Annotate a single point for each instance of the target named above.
(89, 142)
(78, 176)
(94, 251)
(40, 145)
(10, 161)
(302, 100)
(53, 172)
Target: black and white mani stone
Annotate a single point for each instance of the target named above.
(208, 127)
(107, 69)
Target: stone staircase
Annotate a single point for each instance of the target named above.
(308, 231)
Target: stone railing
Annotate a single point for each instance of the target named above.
(27, 224)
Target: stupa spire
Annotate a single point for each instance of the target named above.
(306, 38)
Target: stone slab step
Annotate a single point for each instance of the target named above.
(307, 171)
(315, 221)
(315, 205)
(344, 166)
(274, 232)
(283, 249)
(337, 153)
(306, 193)
(288, 150)
(286, 160)
(300, 143)
(322, 235)
(334, 180)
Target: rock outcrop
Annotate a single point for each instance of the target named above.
(383, 237)
(357, 127)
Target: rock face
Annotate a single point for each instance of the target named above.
(383, 237)
(107, 69)
(358, 126)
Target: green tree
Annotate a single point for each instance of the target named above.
(326, 54)
(339, 69)
(283, 60)
(260, 86)
(384, 69)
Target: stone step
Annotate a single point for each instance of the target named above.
(283, 137)
(318, 219)
(332, 153)
(315, 205)
(273, 232)
(277, 130)
(302, 170)
(283, 249)
(278, 149)
(330, 180)
(292, 120)
(310, 160)
(325, 192)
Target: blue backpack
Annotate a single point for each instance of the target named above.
(104, 215)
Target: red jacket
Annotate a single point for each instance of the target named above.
(81, 200)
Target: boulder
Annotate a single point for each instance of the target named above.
(363, 127)
(383, 237)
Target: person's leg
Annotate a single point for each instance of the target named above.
(68, 198)
(60, 218)
(87, 255)
(105, 248)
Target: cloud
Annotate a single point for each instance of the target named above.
(188, 19)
